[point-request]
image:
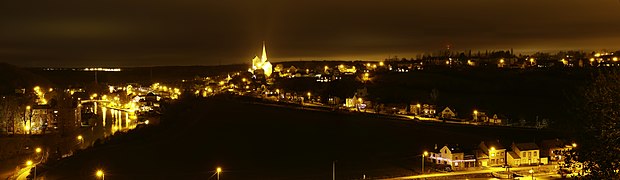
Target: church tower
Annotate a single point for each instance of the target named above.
(262, 63)
(264, 57)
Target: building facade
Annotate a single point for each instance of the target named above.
(453, 156)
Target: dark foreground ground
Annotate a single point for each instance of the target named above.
(252, 141)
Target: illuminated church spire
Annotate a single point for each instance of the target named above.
(262, 63)
(264, 58)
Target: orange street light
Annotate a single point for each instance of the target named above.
(423, 156)
(100, 174)
(218, 171)
(37, 150)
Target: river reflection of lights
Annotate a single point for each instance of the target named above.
(104, 110)
(118, 117)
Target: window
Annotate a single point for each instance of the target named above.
(529, 154)
(523, 154)
(535, 153)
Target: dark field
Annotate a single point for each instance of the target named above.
(252, 141)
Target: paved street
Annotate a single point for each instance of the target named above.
(483, 171)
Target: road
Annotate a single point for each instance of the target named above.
(483, 171)
(23, 173)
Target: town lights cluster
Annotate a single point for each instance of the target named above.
(40, 95)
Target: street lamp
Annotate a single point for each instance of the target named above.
(423, 156)
(475, 115)
(30, 163)
(532, 172)
(574, 145)
(100, 174)
(26, 125)
(80, 140)
(37, 150)
(218, 171)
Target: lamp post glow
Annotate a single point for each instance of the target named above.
(531, 171)
(100, 174)
(218, 171)
(30, 163)
(37, 150)
(423, 156)
(26, 125)
(574, 145)
(80, 140)
(475, 115)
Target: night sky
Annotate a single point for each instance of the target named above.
(71, 33)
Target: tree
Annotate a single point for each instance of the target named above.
(599, 149)
(434, 95)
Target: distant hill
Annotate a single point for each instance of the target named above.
(143, 75)
(13, 77)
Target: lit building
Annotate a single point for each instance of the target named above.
(261, 64)
(525, 154)
(491, 153)
(555, 149)
(448, 113)
(453, 156)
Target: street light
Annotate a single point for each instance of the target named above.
(423, 156)
(37, 150)
(30, 163)
(80, 140)
(27, 125)
(574, 145)
(218, 171)
(532, 172)
(475, 115)
(100, 174)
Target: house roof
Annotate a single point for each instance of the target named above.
(494, 144)
(455, 148)
(514, 155)
(526, 146)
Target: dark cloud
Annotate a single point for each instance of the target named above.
(207, 32)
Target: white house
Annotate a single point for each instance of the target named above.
(524, 154)
(448, 113)
(454, 156)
